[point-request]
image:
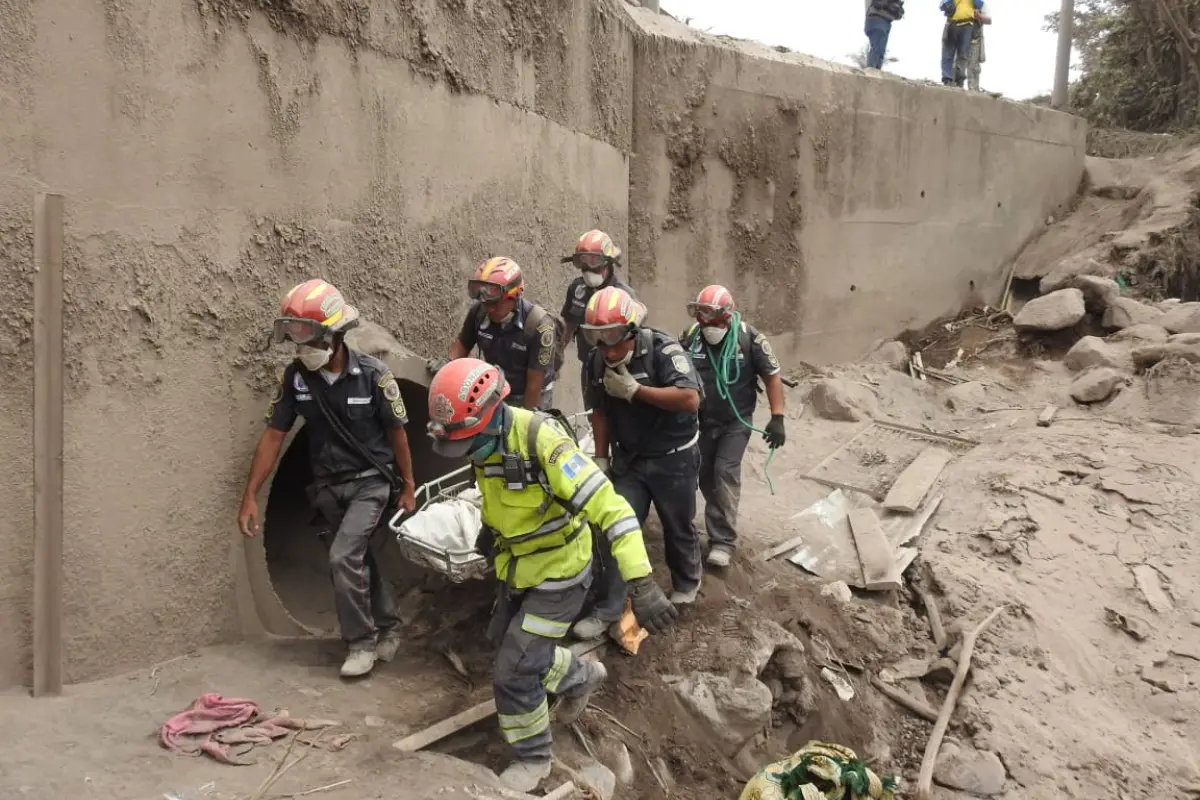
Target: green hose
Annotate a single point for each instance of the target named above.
(728, 370)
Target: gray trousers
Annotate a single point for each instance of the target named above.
(531, 663)
(722, 448)
(364, 602)
(670, 483)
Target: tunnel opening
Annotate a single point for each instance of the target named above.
(298, 559)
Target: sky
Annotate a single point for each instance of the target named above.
(1020, 55)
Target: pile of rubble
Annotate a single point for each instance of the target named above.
(1123, 337)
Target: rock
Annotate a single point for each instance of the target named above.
(968, 396)
(1096, 385)
(1184, 338)
(1053, 312)
(1098, 293)
(1184, 318)
(1142, 334)
(970, 770)
(838, 590)
(1148, 355)
(732, 711)
(600, 778)
(767, 638)
(1170, 304)
(892, 353)
(374, 722)
(1125, 312)
(1092, 351)
(1165, 679)
(791, 664)
(615, 755)
(776, 687)
(836, 399)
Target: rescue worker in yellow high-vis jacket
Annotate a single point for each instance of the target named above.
(542, 496)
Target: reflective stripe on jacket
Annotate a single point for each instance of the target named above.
(546, 541)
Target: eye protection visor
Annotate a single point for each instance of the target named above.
(608, 335)
(707, 312)
(589, 262)
(300, 331)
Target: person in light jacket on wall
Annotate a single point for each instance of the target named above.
(880, 16)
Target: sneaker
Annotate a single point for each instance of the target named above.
(719, 556)
(569, 708)
(358, 663)
(524, 776)
(685, 598)
(389, 643)
(589, 628)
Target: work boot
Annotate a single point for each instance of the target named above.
(589, 628)
(524, 776)
(719, 556)
(569, 708)
(679, 598)
(358, 663)
(388, 644)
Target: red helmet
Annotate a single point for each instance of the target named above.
(312, 311)
(463, 398)
(713, 304)
(594, 251)
(612, 316)
(496, 279)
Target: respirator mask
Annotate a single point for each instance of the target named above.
(313, 358)
(713, 334)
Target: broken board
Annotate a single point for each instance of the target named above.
(875, 555)
(916, 480)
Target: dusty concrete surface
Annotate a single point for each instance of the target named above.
(213, 154)
(839, 206)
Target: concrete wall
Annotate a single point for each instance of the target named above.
(214, 153)
(838, 207)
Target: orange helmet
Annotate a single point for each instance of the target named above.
(311, 311)
(594, 251)
(496, 279)
(612, 316)
(463, 398)
(713, 304)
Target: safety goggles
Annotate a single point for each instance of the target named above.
(707, 312)
(486, 291)
(300, 331)
(609, 335)
(589, 262)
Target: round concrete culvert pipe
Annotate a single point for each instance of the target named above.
(288, 566)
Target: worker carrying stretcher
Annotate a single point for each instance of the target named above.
(730, 367)
(541, 498)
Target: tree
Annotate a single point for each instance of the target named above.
(859, 59)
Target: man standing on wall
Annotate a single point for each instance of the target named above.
(977, 56)
(956, 37)
(516, 335)
(644, 396)
(880, 16)
(597, 258)
(355, 419)
(730, 367)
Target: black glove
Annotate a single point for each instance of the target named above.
(775, 436)
(653, 610)
(485, 543)
(434, 364)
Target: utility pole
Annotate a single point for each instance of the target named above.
(1066, 21)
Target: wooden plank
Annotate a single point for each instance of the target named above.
(916, 480)
(1047, 416)
(874, 553)
(591, 651)
(924, 434)
(47, 445)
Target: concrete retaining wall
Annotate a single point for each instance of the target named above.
(214, 153)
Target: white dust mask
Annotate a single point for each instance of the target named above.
(593, 279)
(313, 358)
(713, 334)
(624, 360)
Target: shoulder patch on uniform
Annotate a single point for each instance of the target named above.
(574, 465)
(673, 347)
(557, 452)
(682, 364)
(298, 382)
(580, 291)
(391, 389)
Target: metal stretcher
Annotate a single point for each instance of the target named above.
(458, 565)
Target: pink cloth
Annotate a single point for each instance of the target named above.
(207, 715)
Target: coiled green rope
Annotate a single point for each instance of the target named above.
(727, 368)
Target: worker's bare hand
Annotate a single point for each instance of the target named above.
(248, 517)
(408, 500)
